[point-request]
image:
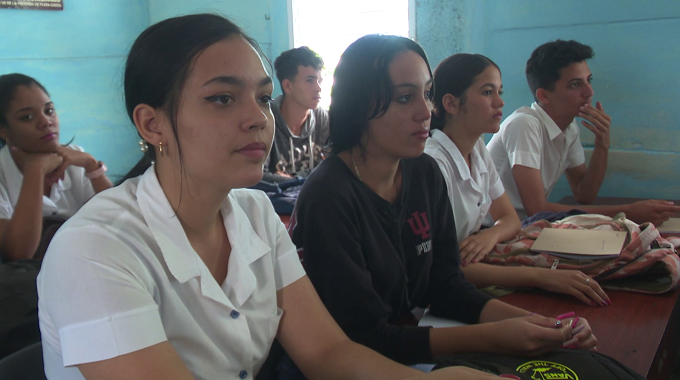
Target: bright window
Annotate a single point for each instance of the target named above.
(329, 26)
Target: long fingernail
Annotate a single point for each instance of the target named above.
(593, 304)
(565, 315)
(577, 330)
(474, 261)
(574, 321)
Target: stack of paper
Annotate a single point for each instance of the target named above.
(580, 244)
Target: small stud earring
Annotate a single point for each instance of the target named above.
(142, 146)
(160, 148)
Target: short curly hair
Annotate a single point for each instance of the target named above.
(543, 67)
(286, 64)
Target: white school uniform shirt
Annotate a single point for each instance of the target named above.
(121, 276)
(529, 137)
(66, 197)
(470, 191)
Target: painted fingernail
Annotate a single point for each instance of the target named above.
(474, 261)
(604, 303)
(574, 321)
(571, 346)
(577, 330)
(593, 304)
(565, 315)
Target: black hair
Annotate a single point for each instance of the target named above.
(454, 76)
(159, 64)
(543, 67)
(8, 88)
(362, 87)
(286, 64)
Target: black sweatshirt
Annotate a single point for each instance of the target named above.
(372, 262)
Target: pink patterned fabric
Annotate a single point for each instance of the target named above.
(648, 263)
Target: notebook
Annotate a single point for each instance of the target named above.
(580, 244)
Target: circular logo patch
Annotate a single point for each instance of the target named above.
(542, 370)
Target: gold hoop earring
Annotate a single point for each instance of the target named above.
(160, 148)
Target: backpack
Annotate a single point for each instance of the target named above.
(283, 195)
(561, 364)
(648, 263)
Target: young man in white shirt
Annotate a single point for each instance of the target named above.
(536, 144)
(301, 125)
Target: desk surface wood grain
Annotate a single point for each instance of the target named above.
(630, 330)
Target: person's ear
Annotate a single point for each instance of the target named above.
(543, 96)
(451, 104)
(148, 121)
(287, 86)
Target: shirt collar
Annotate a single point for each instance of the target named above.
(182, 260)
(454, 154)
(550, 126)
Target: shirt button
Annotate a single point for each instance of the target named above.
(234, 314)
(243, 374)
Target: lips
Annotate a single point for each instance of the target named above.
(422, 134)
(498, 115)
(49, 136)
(254, 150)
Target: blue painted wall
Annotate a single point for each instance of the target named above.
(264, 20)
(635, 72)
(77, 55)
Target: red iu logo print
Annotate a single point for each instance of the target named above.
(420, 225)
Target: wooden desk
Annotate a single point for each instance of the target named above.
(639, 330)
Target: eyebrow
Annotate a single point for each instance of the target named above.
(31, 108)
(429, 82)
(232, 80)
(574, 79)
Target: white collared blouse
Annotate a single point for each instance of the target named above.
(471, 192)
(529, 137)
(121, 276)
(66, 197)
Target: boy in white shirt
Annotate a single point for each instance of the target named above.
(536, 144)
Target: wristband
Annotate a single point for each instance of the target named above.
(97, 172)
